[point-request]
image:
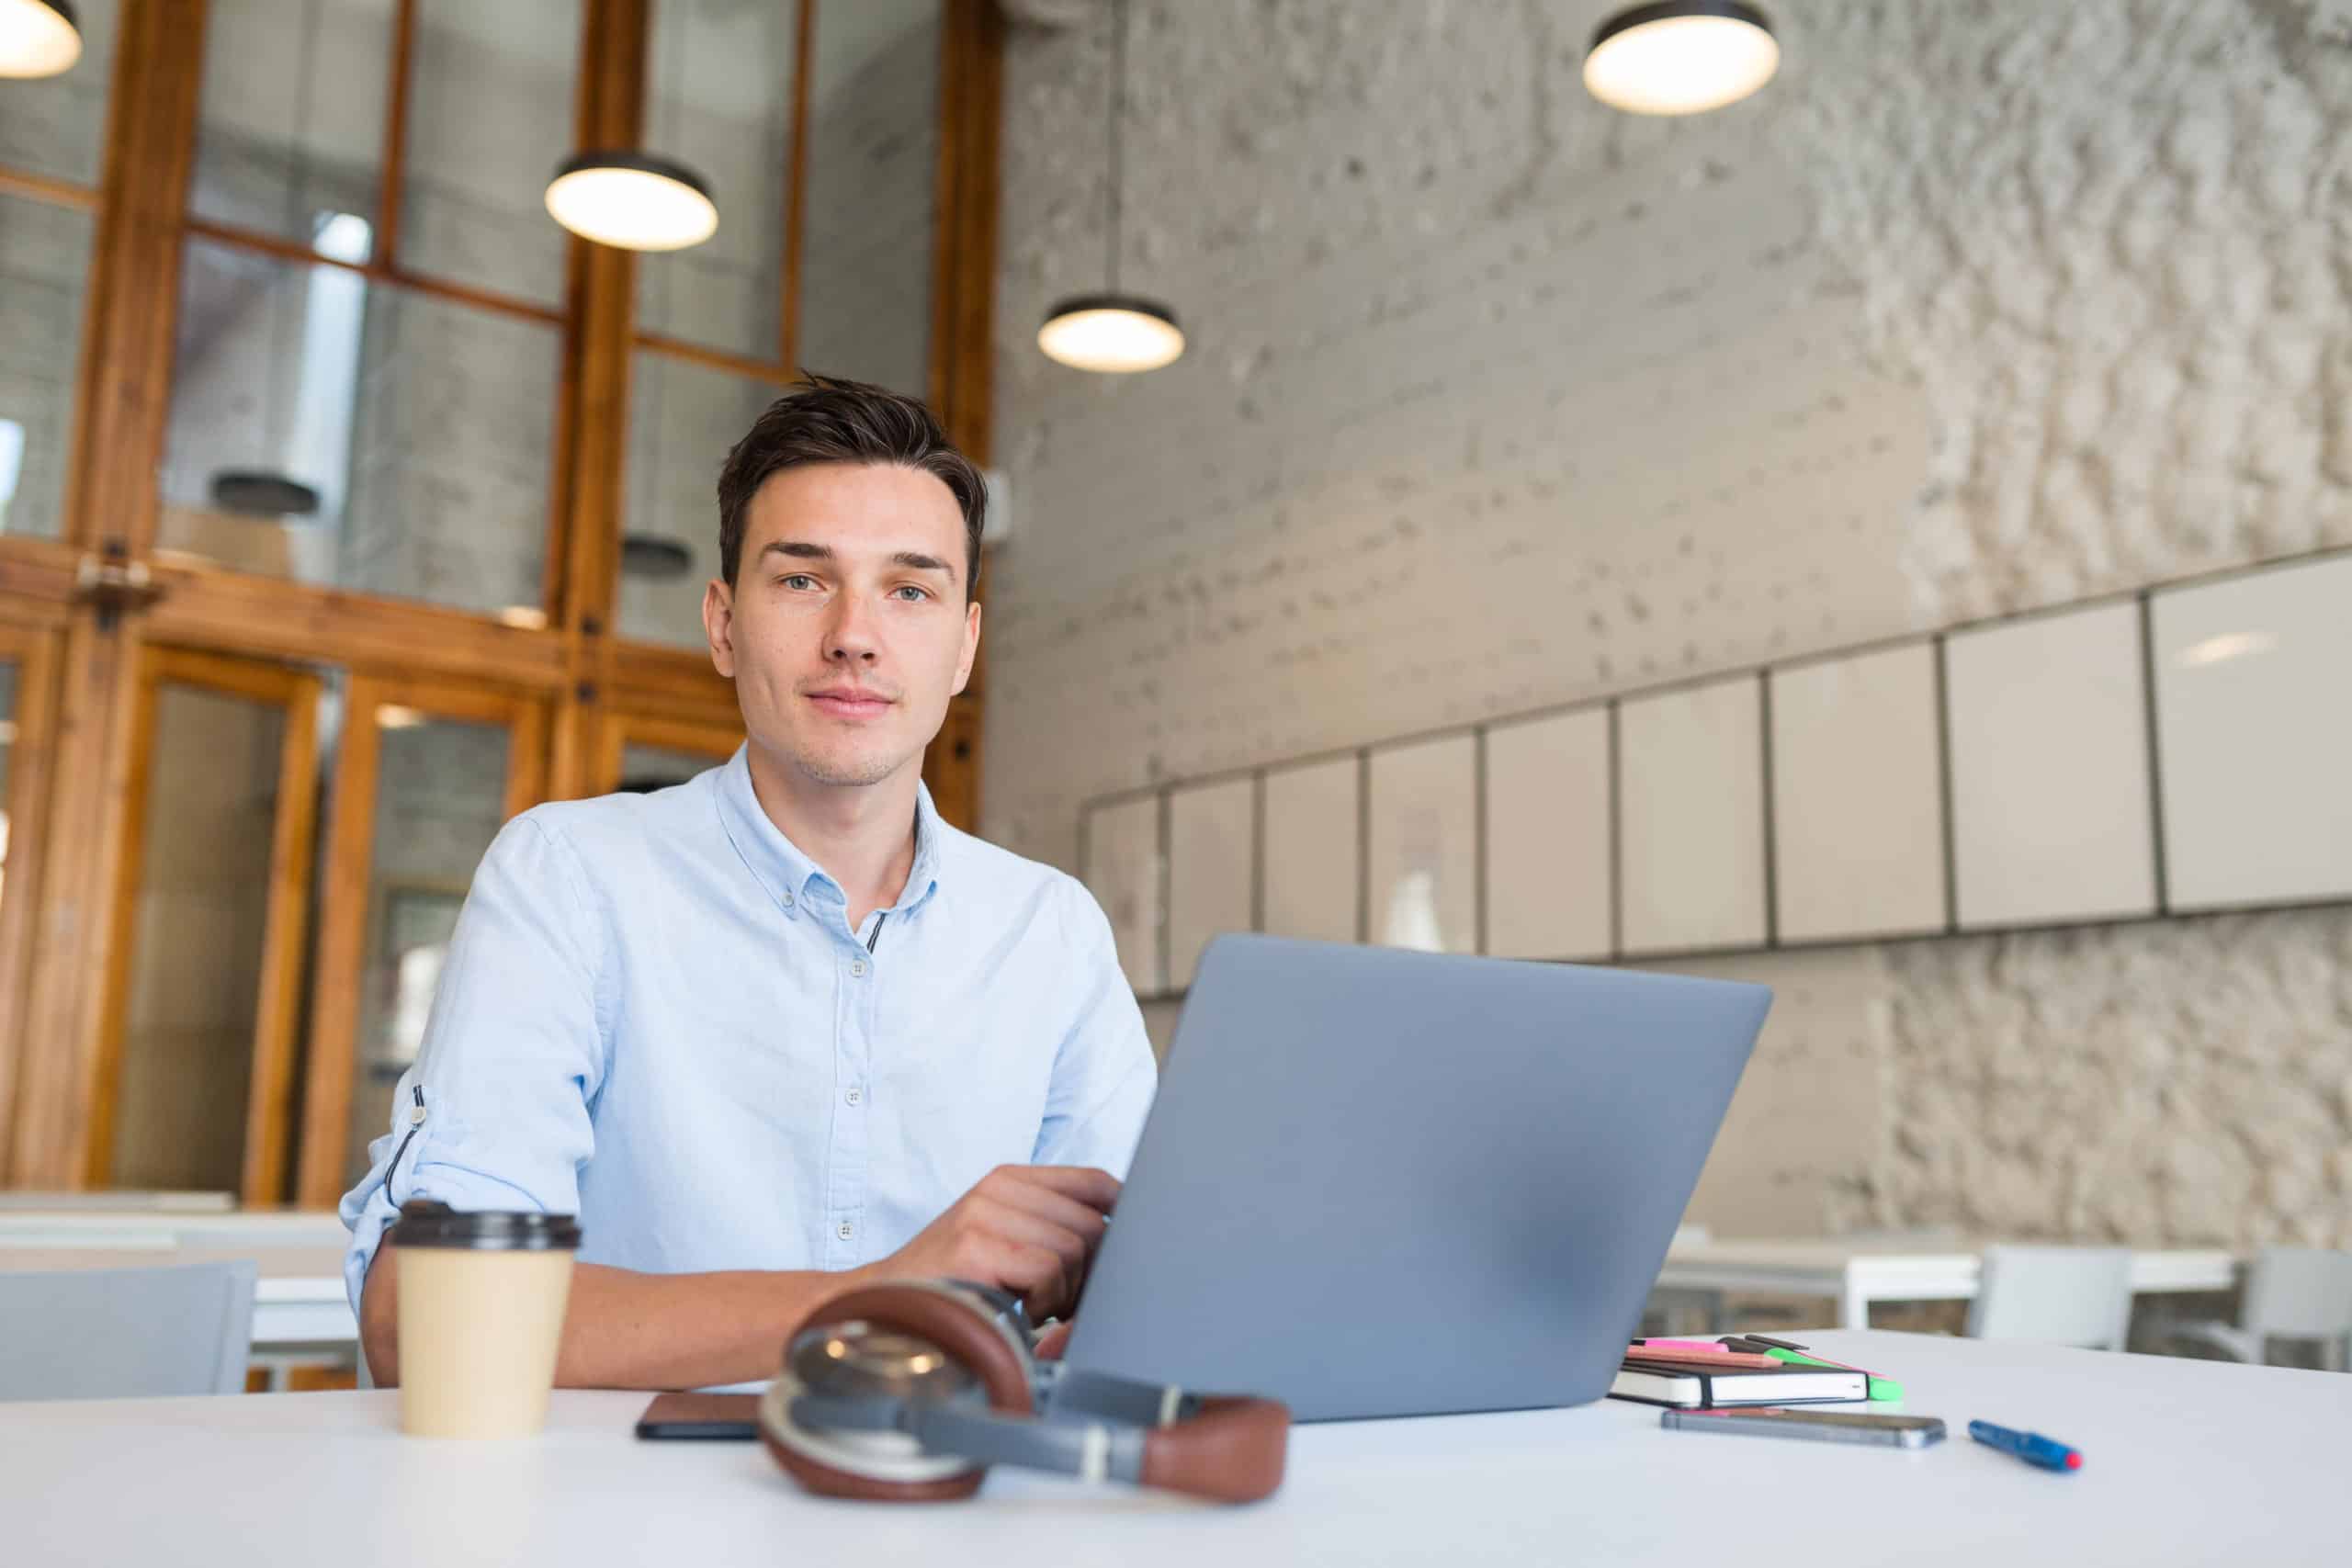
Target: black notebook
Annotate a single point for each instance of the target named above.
(1691, 1388)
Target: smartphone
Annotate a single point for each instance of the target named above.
(1817, 1426)
(722, 1417)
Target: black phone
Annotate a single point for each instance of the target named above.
(1820, 1425)
(720, 1418)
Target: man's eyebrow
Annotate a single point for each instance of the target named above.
(916, 560)
(802, 549)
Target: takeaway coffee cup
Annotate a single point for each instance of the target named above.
(481, 1299)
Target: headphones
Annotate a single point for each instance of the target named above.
(907, 1393)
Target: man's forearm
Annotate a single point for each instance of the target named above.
(623, 1329)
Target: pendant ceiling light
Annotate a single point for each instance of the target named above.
(1110, 330)
(634, 201)
(1680, 57)
(37, 38)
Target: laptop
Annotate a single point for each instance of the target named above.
(1387, 1183)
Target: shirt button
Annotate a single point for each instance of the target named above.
(847, 1230)
(787, 900)
(855, 1097)
(857, 967)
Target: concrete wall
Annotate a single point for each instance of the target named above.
(1496, 398)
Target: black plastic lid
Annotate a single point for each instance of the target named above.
(425, 1223)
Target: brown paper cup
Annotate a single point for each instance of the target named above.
(481, 1303)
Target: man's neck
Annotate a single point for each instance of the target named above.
(863, 836)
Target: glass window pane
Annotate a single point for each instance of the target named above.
(199, 919)
(682, 420)
(422, 432)
(490, 116)
(440, 798)
(647, 768)
(718, 99)
(873, 159)
(291, 123)
(57, 125)
(44, 268)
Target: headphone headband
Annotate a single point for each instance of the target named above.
(874, 1435)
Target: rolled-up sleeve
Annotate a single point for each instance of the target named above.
(513, 1052)
(1104, 1075)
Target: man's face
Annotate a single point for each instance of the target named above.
(849, 624)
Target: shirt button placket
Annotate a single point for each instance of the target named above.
(849, 1139)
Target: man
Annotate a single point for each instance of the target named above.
(780, 1030)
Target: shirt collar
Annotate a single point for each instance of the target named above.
(787, 873)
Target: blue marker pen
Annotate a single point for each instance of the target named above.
(2032, 1447)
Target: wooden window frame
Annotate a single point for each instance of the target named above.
(341, 963)
(572, 668)
(33, 649)
(278, 1013)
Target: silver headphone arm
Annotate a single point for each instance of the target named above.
(1091, 1450)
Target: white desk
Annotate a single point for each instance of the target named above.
(2187, 1462)
(299, 1301)
(1855, 1275)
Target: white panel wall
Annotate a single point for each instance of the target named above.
(1548, 879)
(2254, 714)
(2050, 814)
(1311, 851)
(1423, 845)
(1210, 869)
(1857, 797)
(1693, 812)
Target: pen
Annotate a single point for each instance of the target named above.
(2049, 1453)
(1710, 1346)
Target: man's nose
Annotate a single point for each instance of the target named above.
(850, 639)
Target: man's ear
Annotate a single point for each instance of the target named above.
(718, 626)
(971, 648)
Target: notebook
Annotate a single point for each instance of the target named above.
(1681, 1384)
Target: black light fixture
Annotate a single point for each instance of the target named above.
(654, 558)
(262, 493)
(1110, 330)
(638, 201)
(37, 38)
(1680, 56)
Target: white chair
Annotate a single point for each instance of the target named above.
(2291, 1292)
(125, 1333)
(2053, 1296)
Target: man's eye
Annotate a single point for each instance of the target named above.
(798, 580)
(910, 588)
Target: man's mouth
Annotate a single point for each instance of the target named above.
(850, 702)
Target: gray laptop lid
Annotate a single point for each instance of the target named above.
(1388, 1183)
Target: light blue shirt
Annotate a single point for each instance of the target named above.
(655, 1015)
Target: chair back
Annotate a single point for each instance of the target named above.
(2055, 1295)
(125, 1333)
(2299, 1292)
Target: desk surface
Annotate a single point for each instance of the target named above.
(2187, 1461)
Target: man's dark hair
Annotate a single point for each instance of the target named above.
(827, 420)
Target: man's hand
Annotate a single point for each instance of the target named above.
(1029, 1229)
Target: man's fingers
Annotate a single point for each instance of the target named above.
(1097, 1189)
(1043, 1202)
(1011, 1224)
(1036, 1273)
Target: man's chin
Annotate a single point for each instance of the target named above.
(845, 769)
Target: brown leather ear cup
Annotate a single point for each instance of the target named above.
(1232, 1451)
(955, 1328)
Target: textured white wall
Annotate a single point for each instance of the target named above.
(1498, 398)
